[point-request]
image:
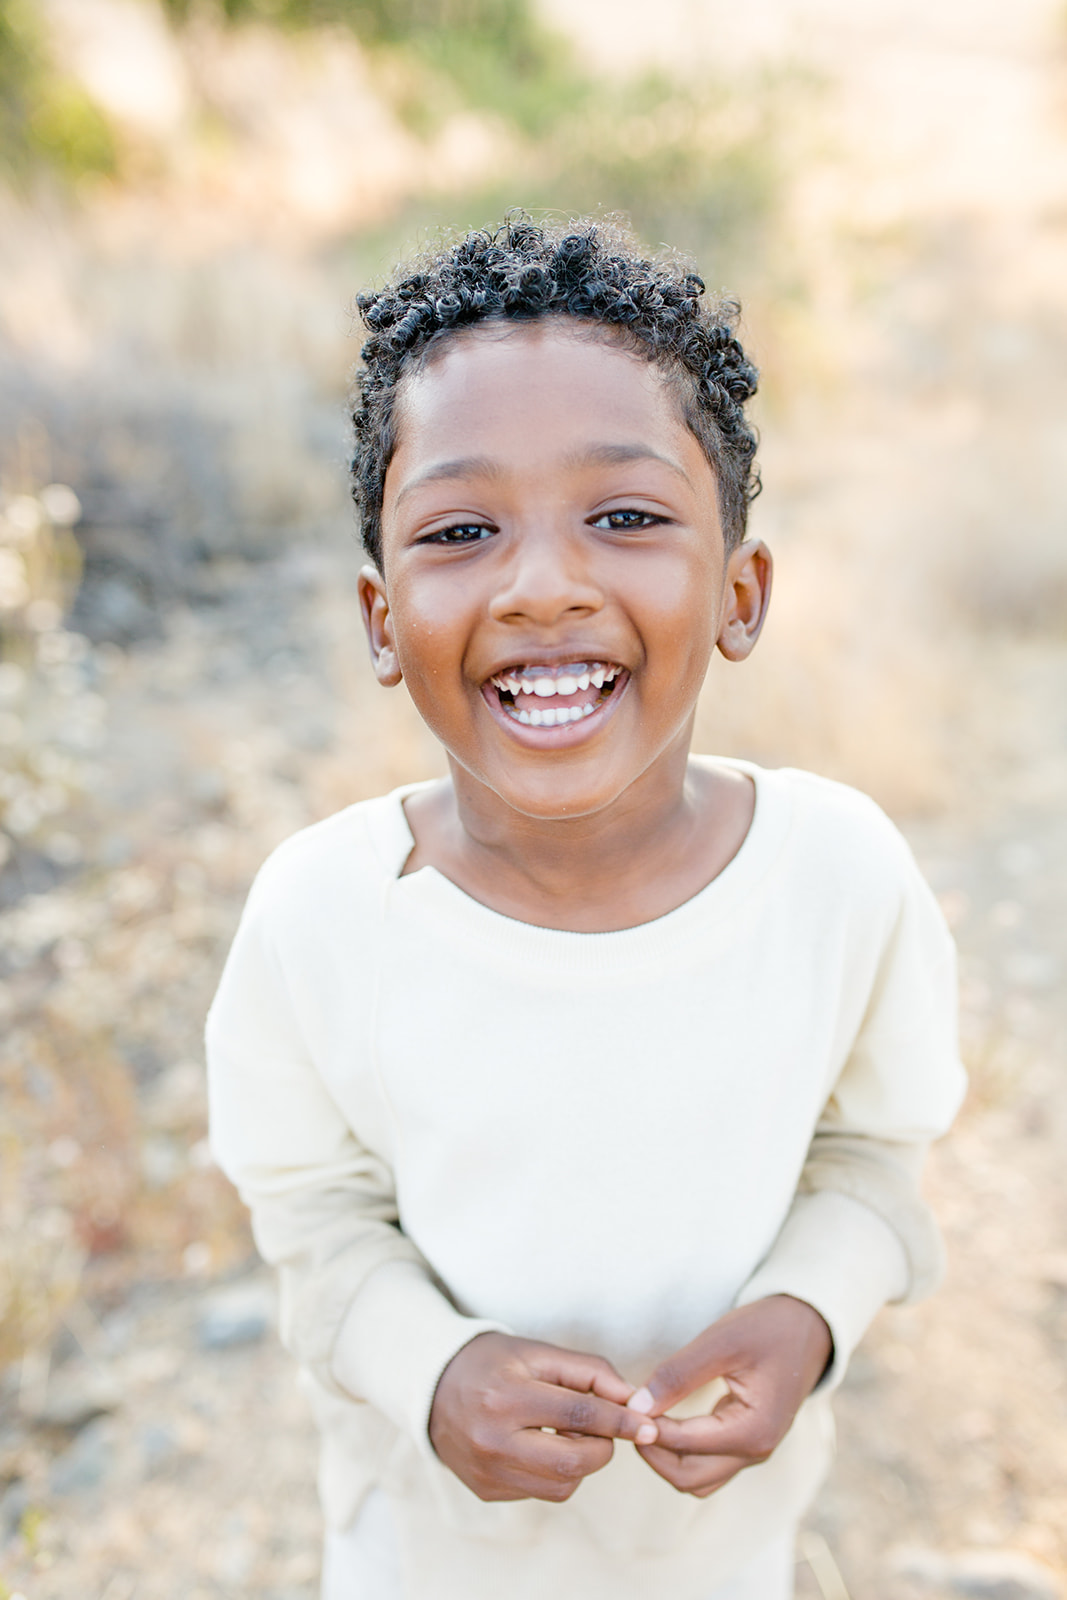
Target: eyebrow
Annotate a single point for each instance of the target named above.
(446, 471)
(597, 455)
(620, 455)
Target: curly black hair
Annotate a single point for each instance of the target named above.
(591, 271)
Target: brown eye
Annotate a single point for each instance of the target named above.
(459, 533)
(621, 521)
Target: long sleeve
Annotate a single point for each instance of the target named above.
(323, 1203)
(859, 1234)
(839, 1255)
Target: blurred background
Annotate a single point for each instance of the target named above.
(191, 193)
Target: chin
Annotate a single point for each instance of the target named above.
(553, 801)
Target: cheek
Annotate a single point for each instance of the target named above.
(681, 604)
(421, 626)
(430, 645)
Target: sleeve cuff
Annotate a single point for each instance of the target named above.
(398, 1336)
(838, 1256)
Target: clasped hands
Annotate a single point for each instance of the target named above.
(516, 1419)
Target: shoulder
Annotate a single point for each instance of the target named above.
(344, 860)
(837, 843)
(841, 820)
(851, 879)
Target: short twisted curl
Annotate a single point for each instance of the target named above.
(590, 272)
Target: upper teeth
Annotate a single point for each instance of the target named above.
(570, 680)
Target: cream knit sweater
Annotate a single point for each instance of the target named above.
(433, 1111)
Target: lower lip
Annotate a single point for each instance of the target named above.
(567, 733)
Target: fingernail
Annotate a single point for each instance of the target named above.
(647, 1433)
(641, 1400)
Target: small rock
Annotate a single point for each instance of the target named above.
(981, 1574)
(161, 1161)
(243, 1314)
(13, 1505)
(178, 1099)
(159, 1446)
(1031, 969)
(1018, 858)
(77, 1397)
(115, 851)
(207, 789)
(86, 1464)
(235, 1553)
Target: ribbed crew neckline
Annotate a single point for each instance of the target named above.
(428, 895)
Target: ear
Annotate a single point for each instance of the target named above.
(746, 598)
(378, 621)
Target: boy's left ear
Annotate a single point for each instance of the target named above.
(747, 595)
(378, 621)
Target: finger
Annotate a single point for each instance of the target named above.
(571, 1369)
(733, 1429)
(705, 1358)
(569, 1412)
(698, 1475)
(557, 1461)
(546, 1466)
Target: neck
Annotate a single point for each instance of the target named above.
(628, 862)
(564, 859)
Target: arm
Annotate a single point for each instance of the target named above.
(857, 1235)
(323, 1203)
(360, 1306)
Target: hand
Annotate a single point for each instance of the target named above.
(497, 1396)
(770, 1355)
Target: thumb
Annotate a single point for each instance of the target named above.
(693, 1375)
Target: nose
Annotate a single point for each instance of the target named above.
(546, 578)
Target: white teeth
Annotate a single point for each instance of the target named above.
(551, 716)
(592, 675)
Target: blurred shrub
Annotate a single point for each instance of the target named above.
(491, 54)
(173, 479)
(700, 169)
(45, 119)
(41, 1261)
(50, 714)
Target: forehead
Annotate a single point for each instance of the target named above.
(535, 390)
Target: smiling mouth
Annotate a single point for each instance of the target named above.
(552, 697)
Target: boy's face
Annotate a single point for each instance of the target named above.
(554, 575)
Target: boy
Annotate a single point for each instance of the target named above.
(579, 1098)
